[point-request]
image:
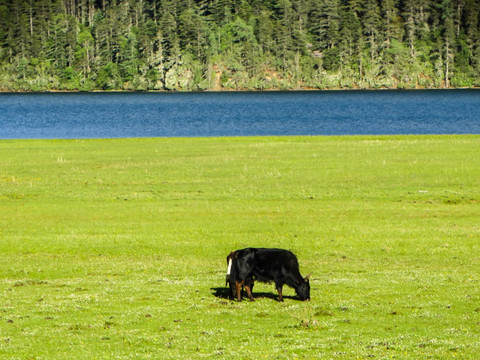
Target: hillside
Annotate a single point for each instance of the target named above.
(199, 45)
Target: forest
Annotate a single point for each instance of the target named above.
(197, 45)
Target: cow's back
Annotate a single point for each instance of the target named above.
(266, 264)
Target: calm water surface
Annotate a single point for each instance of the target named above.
(112, 115)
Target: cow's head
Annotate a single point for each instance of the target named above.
(303, 289)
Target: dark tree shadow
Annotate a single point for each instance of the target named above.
(224, 293)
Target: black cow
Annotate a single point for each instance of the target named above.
(259, 264)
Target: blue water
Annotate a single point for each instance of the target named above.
(113, 115)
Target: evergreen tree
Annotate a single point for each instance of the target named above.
(324, 23)
(371, 25)
(283, 31)
(448, 37)
(472, 24)
(391, 22)
(84, 50)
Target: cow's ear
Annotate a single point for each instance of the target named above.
(307, 277)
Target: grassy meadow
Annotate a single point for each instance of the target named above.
(115, 249)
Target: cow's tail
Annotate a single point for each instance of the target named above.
(229, 267)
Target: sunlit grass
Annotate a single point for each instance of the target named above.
(116, 248)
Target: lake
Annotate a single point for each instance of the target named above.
(114, 115)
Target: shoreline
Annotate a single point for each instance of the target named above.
(2, 91)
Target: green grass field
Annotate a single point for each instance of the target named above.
(115, 249)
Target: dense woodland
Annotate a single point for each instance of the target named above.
(238, 44)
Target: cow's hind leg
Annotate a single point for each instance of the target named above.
(233, 290)
(249, 292)
(280, 296)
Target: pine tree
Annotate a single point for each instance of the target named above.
(324, 23)
(351, 44)
(284, 30)
(472, 24)
(84, 50)
(391, 21)
(264, 30)
(193, 34)
(62, 40)
(448, 37)
(371, 24)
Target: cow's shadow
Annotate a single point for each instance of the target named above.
(224, 293)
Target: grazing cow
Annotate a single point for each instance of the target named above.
(259, 264)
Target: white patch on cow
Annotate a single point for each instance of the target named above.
(229, 268)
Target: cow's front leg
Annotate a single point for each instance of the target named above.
(239, 285)
(280, 296)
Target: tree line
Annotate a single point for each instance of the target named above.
(238, 44)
